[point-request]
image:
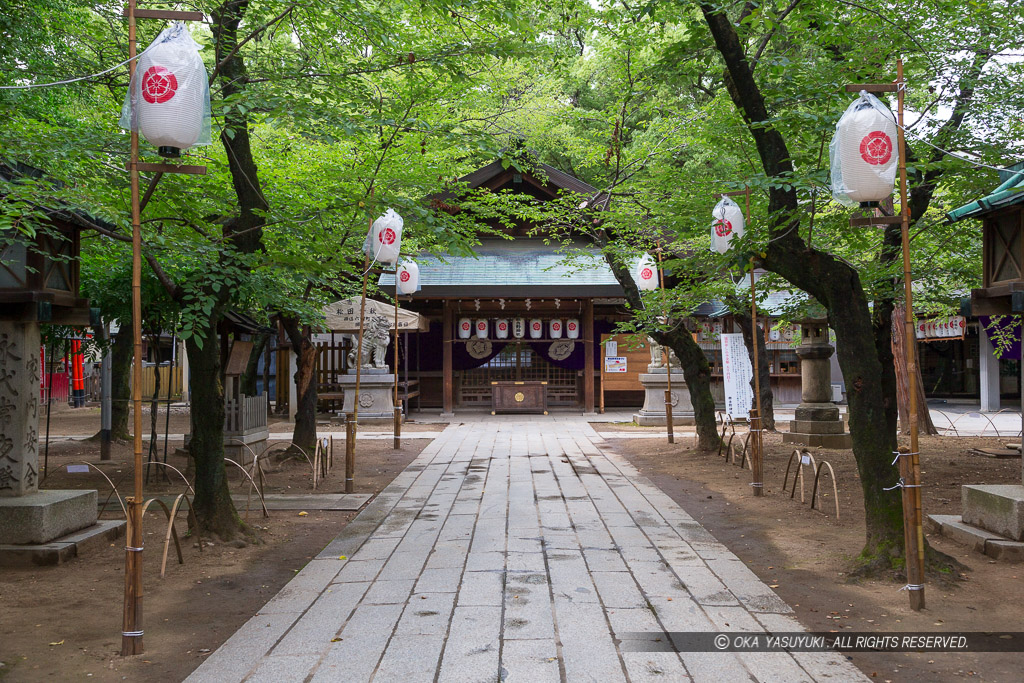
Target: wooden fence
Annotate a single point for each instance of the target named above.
(245, 414)
(149, 381)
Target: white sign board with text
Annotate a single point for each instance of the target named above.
(736, 374)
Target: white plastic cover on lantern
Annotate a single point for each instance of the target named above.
(518, 328)
(727, 223)
(168, 100)
(572, 328)
(408, 277)
(465, 328)
(536, 329)
(646, 273)
(481, 328)
(863, 152)
(384, 240)
(555, 328)
(501, 328)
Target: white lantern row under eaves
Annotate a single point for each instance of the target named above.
(536, 328)
(727, 224)
(465, 328)
(518, 328)
(481, 328)
(501, 328)
(572, 328)
(555, 329)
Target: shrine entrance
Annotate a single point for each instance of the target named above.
(519, 361)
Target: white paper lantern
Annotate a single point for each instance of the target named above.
(408, 277)
(646, 274)
(384, 240)
(481, 328)
(920, 330)
(536, 328)
(501, 328)
(518, 328)
(170, 93)
(727, 223)
(864, 155)
(555, 328)
(465, 328)
(572, 328)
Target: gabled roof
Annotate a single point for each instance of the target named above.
(1010, 192)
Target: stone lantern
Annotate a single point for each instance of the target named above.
(817, 420)
(38, 283)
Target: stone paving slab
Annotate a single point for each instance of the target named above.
(516, 550)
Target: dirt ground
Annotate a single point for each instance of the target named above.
(64, 622)
(805, 555)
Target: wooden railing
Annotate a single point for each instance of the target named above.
(245, 414)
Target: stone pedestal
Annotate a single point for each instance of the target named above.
(376, 394)
(653, 412)
(817, 420)
(28, 515)
(996, 508)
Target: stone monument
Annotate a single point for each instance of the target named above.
(655, 383)
(376, 384)
(817, 420)
(28, 515)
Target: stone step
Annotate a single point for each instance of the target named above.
(62, 549)
(985, 542)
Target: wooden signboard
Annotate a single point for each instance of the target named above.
(637, 359)
(519, 397)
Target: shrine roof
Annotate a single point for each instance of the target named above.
(515, 269)
(1010, 192)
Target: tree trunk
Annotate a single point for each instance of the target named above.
(304, 434)
(247, 382)
(214, 510)
(924, 417)
(836, 285)
(764, 372)
(121, 354)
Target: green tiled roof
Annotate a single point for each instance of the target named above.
(1010, 192)
(514, 268)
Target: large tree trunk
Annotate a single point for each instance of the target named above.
(764, 371)
(214, 510)
(837, 286)
(121, 354)
(304, 434)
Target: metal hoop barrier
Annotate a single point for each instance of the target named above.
(171, 531)
(113, 491)
(263, 503)
(835, 490)
(799, 473)
(271, 445)
(1007, 410)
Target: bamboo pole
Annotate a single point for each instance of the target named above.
(353, 417)
(913, 533)
(398, 401)
(131, 631)
(668, 358)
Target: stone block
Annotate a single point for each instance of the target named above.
(1008, 551)
(43, 516)
(817, 412)
(63, 549)
(997, 508)
(837, 441)
(817, 426)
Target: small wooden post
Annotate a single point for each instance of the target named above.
(668, 359)
(588, 356)
(398, 401)
(350, 452)
(448, 382)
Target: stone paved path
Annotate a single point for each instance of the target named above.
(515, 551)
